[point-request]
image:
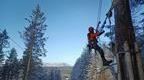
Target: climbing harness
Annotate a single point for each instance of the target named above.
(108, 16)
(100, 28)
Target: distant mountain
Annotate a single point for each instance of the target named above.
(58, 71)
(55, 65)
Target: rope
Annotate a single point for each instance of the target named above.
(99, 11)
(108, 15)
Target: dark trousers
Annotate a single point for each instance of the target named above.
(94, 45)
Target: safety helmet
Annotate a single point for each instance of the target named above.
(91, 29)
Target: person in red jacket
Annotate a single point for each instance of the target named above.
(92, 44)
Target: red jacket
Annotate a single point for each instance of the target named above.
(93, 36)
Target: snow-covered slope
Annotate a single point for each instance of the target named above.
(89, 67)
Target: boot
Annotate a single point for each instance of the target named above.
(106, 62)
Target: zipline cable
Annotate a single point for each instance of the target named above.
(99, 13)
(14, 41)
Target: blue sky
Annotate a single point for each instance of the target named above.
(67, 22)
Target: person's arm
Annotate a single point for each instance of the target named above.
(100, 33)
(88, 37)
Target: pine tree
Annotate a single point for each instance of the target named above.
(55, 74)
(4, 43)
(11, 67)
(138, 22)
(141, 39)
(5, 71)
(81, 68)
(14, 65)
(34, 40)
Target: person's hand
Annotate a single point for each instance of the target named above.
(88, 45)
(103, 31)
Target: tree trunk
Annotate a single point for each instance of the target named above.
(128, 62)
(139, 62)
(124, 32)
(27, 72)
